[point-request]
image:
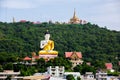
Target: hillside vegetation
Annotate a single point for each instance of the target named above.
(94, 42)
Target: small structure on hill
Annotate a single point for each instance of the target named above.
(75, 19)
(30, 61)
(75, 58)
(88, 63)
(23, 21)
(34, 57)
(101, 76)
(7, 73)
(27, 58)
(89, 76)
(108, 66)
(56, 71)
(119, 63)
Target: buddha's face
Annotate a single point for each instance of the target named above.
(47, 36)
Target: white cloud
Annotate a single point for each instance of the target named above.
(107, 14)
(101, 12)
(17, 4)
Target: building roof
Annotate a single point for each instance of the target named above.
(73, 73)
(27, 58)
(22, 20)
(36, 57)
(9, 72)
(101, 73)
(56, 78)
(69, 54)
(108, 65)
(89, 73)
(36, 77)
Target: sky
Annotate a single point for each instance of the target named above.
(105, 13)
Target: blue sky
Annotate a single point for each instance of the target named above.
(101, 12)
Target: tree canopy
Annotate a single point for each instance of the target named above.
(94, 42)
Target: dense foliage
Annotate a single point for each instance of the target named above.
(84, 68)
(70, 77)
(41, 66)
(95, 43)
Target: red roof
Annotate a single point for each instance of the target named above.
(108, 65)
(22, 20)
(36, 22)
(27, 58)
(69, 54)
(36, 57)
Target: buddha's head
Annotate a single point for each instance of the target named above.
(47, 35)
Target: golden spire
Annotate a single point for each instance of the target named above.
(74, 16)
(13, 20)
(74, 19)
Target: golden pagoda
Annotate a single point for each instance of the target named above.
(74, 19)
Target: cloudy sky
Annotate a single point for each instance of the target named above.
(101, 12)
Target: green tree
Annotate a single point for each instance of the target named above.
(70, 77)
(1, 69)
(98, 64)
(8, 78)
(41, 62)
(8, 66)
(41, 65)
(84, 68)
(78, 68)
(94, 42)
(78, 78)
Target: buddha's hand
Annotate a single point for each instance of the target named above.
(49, 50)
(43, 43)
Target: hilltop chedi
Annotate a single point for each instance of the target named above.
(75, 19)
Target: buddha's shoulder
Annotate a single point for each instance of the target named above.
(51, 41)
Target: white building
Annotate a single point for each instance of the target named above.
(6, 73)
(56, 71)
(101, 76)
(56, 78)
(39, 77)
(89, 76)
(112, 78)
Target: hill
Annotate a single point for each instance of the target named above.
(94, 42)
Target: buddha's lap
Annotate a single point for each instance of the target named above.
(45, 51)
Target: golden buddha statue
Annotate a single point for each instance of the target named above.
(47, 46)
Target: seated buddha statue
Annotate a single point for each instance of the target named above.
(47, 45)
